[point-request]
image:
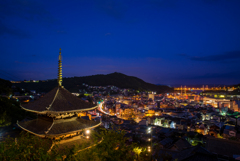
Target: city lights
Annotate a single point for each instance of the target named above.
(135, 80)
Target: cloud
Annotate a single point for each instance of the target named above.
(107, 66)
(225, 56)
(152, 59)
(29, 75)
(107, 34)
(61, 32)
(133, 21)
(70, 66)
(104, 71)
(26, 9)
(164, 3)
(112, 8)
(229, 75)
(23, 10)
(19, 62)
(183, 55)
(211, 1)
(4, 29)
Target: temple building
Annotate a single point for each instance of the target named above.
(59, 113)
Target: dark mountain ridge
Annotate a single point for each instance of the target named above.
(120, 80)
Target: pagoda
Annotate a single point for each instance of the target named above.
(59, 113)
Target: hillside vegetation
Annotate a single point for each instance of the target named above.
(5, 87)
(117, 79)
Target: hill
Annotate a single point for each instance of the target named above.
(5, 87)
(120, 80)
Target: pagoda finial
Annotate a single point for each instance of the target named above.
(60, 68)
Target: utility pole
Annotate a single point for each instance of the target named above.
(181, 90)
(185, 90)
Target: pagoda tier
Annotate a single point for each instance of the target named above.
(47, 127)
(57, 101)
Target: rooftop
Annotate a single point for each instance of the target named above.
(47, 126)
(223, 146)
(58, 100)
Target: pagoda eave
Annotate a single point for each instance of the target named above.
(56, 135)
(40, 135)
(48, 127)
(80, 130)
(58, 112)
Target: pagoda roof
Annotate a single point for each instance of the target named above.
(58, 100)
(46, 126)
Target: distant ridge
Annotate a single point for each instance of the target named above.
(120, 80)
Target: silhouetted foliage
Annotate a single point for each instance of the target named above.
(5, 87)
(26, 147)
(112, 148)
(10, 112)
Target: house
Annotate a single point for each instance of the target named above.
(229, 131)
(189, 154)
(159, 121)
(192, 128)
(225, 147)
(202, 129)
(143, 122)
(213, 133)
(181, 144)
(181, 124)
(214, 128)
(235, 105)
(165, 143)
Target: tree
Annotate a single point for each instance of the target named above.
(26, 147)
(112, 148)
(5, 120)
(5, 87)
(10, 111)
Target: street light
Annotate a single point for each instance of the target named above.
(149, 131)
(149, 149)
(88, 131)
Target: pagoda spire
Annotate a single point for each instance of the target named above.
(60, 68)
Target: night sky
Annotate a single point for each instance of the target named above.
(170, 42)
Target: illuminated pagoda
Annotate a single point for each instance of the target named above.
(59, 113)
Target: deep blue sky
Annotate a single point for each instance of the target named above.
(160, 41)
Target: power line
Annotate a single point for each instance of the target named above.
(8, 75)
